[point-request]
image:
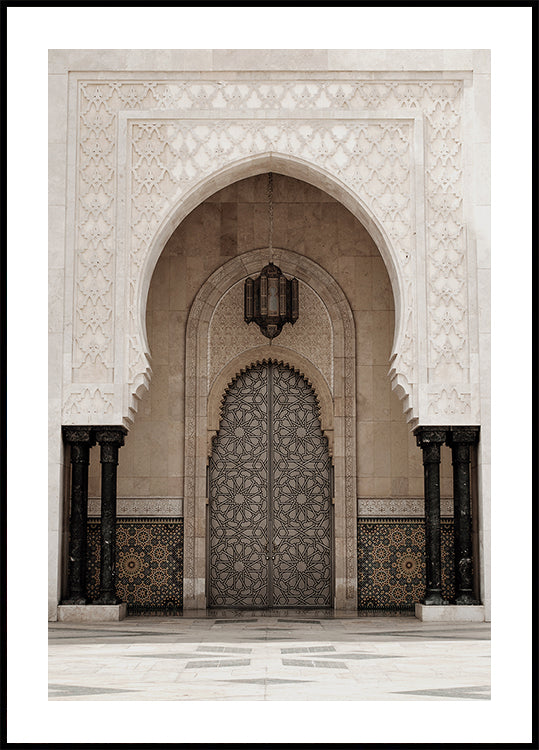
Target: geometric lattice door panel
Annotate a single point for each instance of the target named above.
(270, 523)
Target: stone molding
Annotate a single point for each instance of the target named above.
(144, 149)
(140, 507)
(399, 507)
(235, 64)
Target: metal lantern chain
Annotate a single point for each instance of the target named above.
(271, 299)
(270, 213)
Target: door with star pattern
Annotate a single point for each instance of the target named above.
(270, 511)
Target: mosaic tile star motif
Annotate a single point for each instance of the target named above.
(149, 563)
(391, 562)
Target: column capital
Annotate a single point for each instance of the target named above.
(74, 434)
(463, 436)
(430, 435)
(429, 439)
(110, 434)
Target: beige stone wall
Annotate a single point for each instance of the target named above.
(232, 222)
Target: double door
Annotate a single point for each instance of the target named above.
(270, 512)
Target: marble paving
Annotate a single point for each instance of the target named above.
(269, 656)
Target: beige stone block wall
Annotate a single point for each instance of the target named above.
(307, 221)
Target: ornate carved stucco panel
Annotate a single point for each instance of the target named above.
(373, 158)
(143, 144)
(140, 507)
(399, 507)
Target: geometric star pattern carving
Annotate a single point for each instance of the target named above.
(371, 156)
(391, 562)
(149, 563)
(270, 505)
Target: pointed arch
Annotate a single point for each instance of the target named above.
(292, 166)
(263, 355)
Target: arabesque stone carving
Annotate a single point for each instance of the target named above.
(145, 145)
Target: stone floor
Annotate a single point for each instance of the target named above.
(263, 656)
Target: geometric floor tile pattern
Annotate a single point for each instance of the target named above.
(269, 656)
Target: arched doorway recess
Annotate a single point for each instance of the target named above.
(203, 400)
(403, 357)
(270, 536)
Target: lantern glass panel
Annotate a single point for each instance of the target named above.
(273, 296)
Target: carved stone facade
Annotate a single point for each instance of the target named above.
(146, 146)
(398, 150)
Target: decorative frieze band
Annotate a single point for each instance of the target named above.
(397, 507)
(140, 507)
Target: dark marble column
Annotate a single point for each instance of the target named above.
(429, 439)
(110, 439)
(460, 439)
(80, 439)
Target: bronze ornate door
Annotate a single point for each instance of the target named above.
(270, 520)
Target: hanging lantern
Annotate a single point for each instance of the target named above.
(271, 300)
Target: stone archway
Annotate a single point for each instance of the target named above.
(143, 147)
(396, 162)
(201, 410)
(382, 222)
